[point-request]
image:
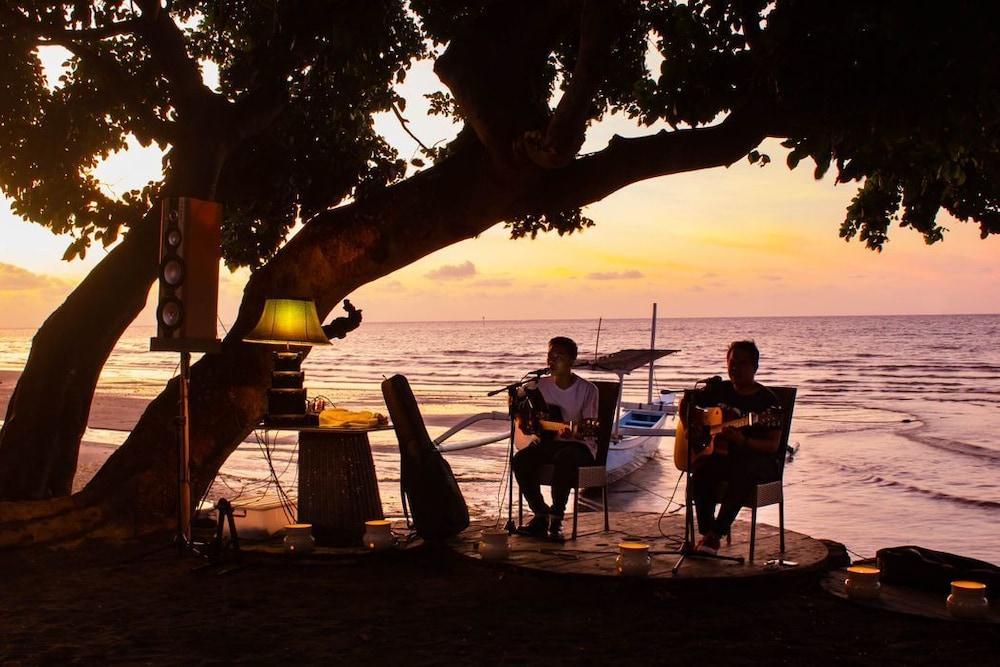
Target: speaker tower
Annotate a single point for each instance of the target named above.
(190, 249)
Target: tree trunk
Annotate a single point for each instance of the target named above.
(49, 408)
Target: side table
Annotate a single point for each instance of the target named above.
(338, 488)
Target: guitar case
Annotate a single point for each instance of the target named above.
(438, 507)
(934, 570)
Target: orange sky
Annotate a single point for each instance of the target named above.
(723, 242)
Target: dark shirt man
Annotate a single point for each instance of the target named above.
(754, 454)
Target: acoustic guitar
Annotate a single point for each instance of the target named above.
(524, 436)
(705, 424)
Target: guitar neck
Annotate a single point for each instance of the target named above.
(746, 420)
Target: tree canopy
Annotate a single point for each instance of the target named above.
(899, 96)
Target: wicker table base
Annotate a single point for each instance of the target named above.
(338, 490)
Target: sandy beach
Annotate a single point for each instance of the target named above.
(141, 603)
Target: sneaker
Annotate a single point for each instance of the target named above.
(537, 527)
(708, 544)
(555, 529)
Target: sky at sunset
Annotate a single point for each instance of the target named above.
(742, 241)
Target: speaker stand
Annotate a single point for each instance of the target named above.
(183, 537)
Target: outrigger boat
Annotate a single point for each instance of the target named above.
(638, 429)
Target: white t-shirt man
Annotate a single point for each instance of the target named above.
(576, 402)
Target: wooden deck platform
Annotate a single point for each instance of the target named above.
(593, 552)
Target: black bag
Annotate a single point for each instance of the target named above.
(933, 570)
(438, 507)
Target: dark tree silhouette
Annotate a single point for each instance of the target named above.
(900, 96)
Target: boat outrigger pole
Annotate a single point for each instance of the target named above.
(652, 346)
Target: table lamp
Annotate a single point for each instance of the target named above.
(288, 322)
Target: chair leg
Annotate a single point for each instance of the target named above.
(781, 524)
(753, 530)
(520, 507)
(607, 524)
(576, 508)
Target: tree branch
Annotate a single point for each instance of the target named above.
(562, 138)
(495, 71)
(113, 29)
(625, 161)
(167, 46)
(120, 86)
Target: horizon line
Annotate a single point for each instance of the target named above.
(610, 319)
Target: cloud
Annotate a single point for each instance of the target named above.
(494, 282)
(773, 278)
(616, 275)
(15, 279)
(452, 272)
(27, 298)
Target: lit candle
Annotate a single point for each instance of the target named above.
(862, 582)
(298, 538)
(968, 600)
(378, 535)
(633, 559)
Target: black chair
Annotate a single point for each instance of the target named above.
(770, 493)
(588, 477)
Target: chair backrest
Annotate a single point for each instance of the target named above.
(786, 398)
(607, 401)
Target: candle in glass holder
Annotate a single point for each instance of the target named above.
(378, 535)
(298, 538)
(633, 559)
(494, 545)
(862, 582)
(968, 600)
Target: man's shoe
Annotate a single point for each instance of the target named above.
(708, 544)
(555, 529)
(537, 527)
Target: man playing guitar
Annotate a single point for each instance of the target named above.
(576, 399)
(752, 452)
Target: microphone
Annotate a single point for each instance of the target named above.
(540, 371)
(710, 381)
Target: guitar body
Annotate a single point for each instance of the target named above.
(699, 435)
(704, 424)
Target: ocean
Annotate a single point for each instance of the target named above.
(896, 420)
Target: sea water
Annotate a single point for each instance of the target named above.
(896, 421)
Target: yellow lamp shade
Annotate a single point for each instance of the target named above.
(288, 322)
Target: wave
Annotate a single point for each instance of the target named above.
(935, 495)
(954, 447)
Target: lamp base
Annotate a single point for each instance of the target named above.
(310, 420)
(286, 401)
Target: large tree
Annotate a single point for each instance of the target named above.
(901, 97)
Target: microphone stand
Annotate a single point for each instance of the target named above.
(511, 390)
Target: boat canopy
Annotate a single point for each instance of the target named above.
(623, 362)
